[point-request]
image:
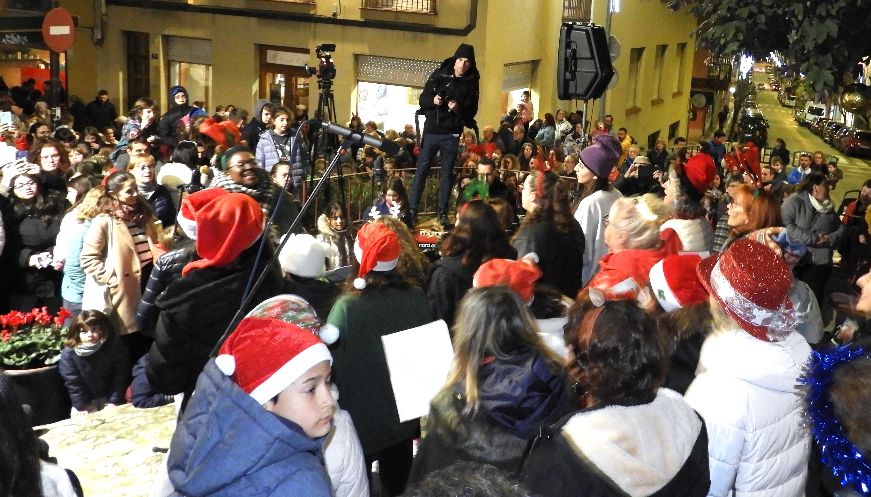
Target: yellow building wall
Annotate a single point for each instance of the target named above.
(506, 31)
(648, 23)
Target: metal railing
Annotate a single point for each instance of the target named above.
(420, 6)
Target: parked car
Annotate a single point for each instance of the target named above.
(786, 99)
(775, 86)
(807, 114)
(856, 142)
(818, 126)
(753, 126)
(830, 130)
(840, 134)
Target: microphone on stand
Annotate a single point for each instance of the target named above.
(389, 147)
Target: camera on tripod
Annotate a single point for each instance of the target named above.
(326, 70)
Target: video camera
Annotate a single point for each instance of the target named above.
(445, 88)
(326, 70)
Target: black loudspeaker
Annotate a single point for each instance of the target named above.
(584, 64)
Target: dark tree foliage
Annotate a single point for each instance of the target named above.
(823, 39)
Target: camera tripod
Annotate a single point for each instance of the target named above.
(326, 144)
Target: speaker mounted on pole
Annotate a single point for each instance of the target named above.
(584, 66)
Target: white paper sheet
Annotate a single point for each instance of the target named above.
(419, 360)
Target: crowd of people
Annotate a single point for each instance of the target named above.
(624, 321)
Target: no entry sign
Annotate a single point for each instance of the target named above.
(58, 30)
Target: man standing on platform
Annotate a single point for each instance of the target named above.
(450, 102)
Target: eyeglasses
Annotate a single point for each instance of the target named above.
(144, 166)
(240, 165)
(22, 186)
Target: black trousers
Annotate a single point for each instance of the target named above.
(816, 276)
(394, 466)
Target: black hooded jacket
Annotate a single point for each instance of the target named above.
(440, 120)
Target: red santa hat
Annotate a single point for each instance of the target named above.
(226, 226)
(191, 204)
(519, 275)
(224, 133)
(264, 356)
(377, 248)
(675, 283)
(700, 172)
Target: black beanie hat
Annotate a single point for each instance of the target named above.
(465, 51)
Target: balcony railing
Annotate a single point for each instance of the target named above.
(34, 5)
(419, 6)
(576, 10)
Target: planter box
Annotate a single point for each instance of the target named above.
(42, 389)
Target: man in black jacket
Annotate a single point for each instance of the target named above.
(101, 113)
(450, 102)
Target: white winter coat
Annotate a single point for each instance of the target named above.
(695, 235)
(745, 389)
(343, 457)
(591, 215)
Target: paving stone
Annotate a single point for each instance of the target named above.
(112, 451)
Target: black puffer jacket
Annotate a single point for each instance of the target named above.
(166, 269)
(464, 90)
(517, 397)
(194, 312)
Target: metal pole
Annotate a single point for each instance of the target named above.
(604, 98)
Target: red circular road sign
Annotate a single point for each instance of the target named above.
(58, 30)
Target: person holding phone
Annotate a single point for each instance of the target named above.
(32, 218)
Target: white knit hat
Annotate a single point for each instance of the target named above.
(305, 256)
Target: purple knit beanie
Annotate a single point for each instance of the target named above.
(602, 155)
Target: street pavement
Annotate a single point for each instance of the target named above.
(799, 138)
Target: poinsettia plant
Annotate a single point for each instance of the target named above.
(31, 339)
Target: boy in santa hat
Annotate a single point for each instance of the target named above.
(256, 423)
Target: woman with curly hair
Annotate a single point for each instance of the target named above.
(633, 438)
(477, 237)
(553, 234)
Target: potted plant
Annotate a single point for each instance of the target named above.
(30, 346)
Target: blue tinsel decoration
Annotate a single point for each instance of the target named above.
(838, 453)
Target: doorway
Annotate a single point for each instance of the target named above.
(283, 78)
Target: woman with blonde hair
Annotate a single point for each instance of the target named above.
(633, 240)
(475, 418)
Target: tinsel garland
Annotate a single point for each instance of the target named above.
(837, 451)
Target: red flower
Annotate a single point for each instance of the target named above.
(5, 335)
(62, 315)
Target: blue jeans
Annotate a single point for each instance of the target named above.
(449, 146)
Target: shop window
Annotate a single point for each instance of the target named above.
(190, 65)
(388, 89)
(419, 6)
(516, 78)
